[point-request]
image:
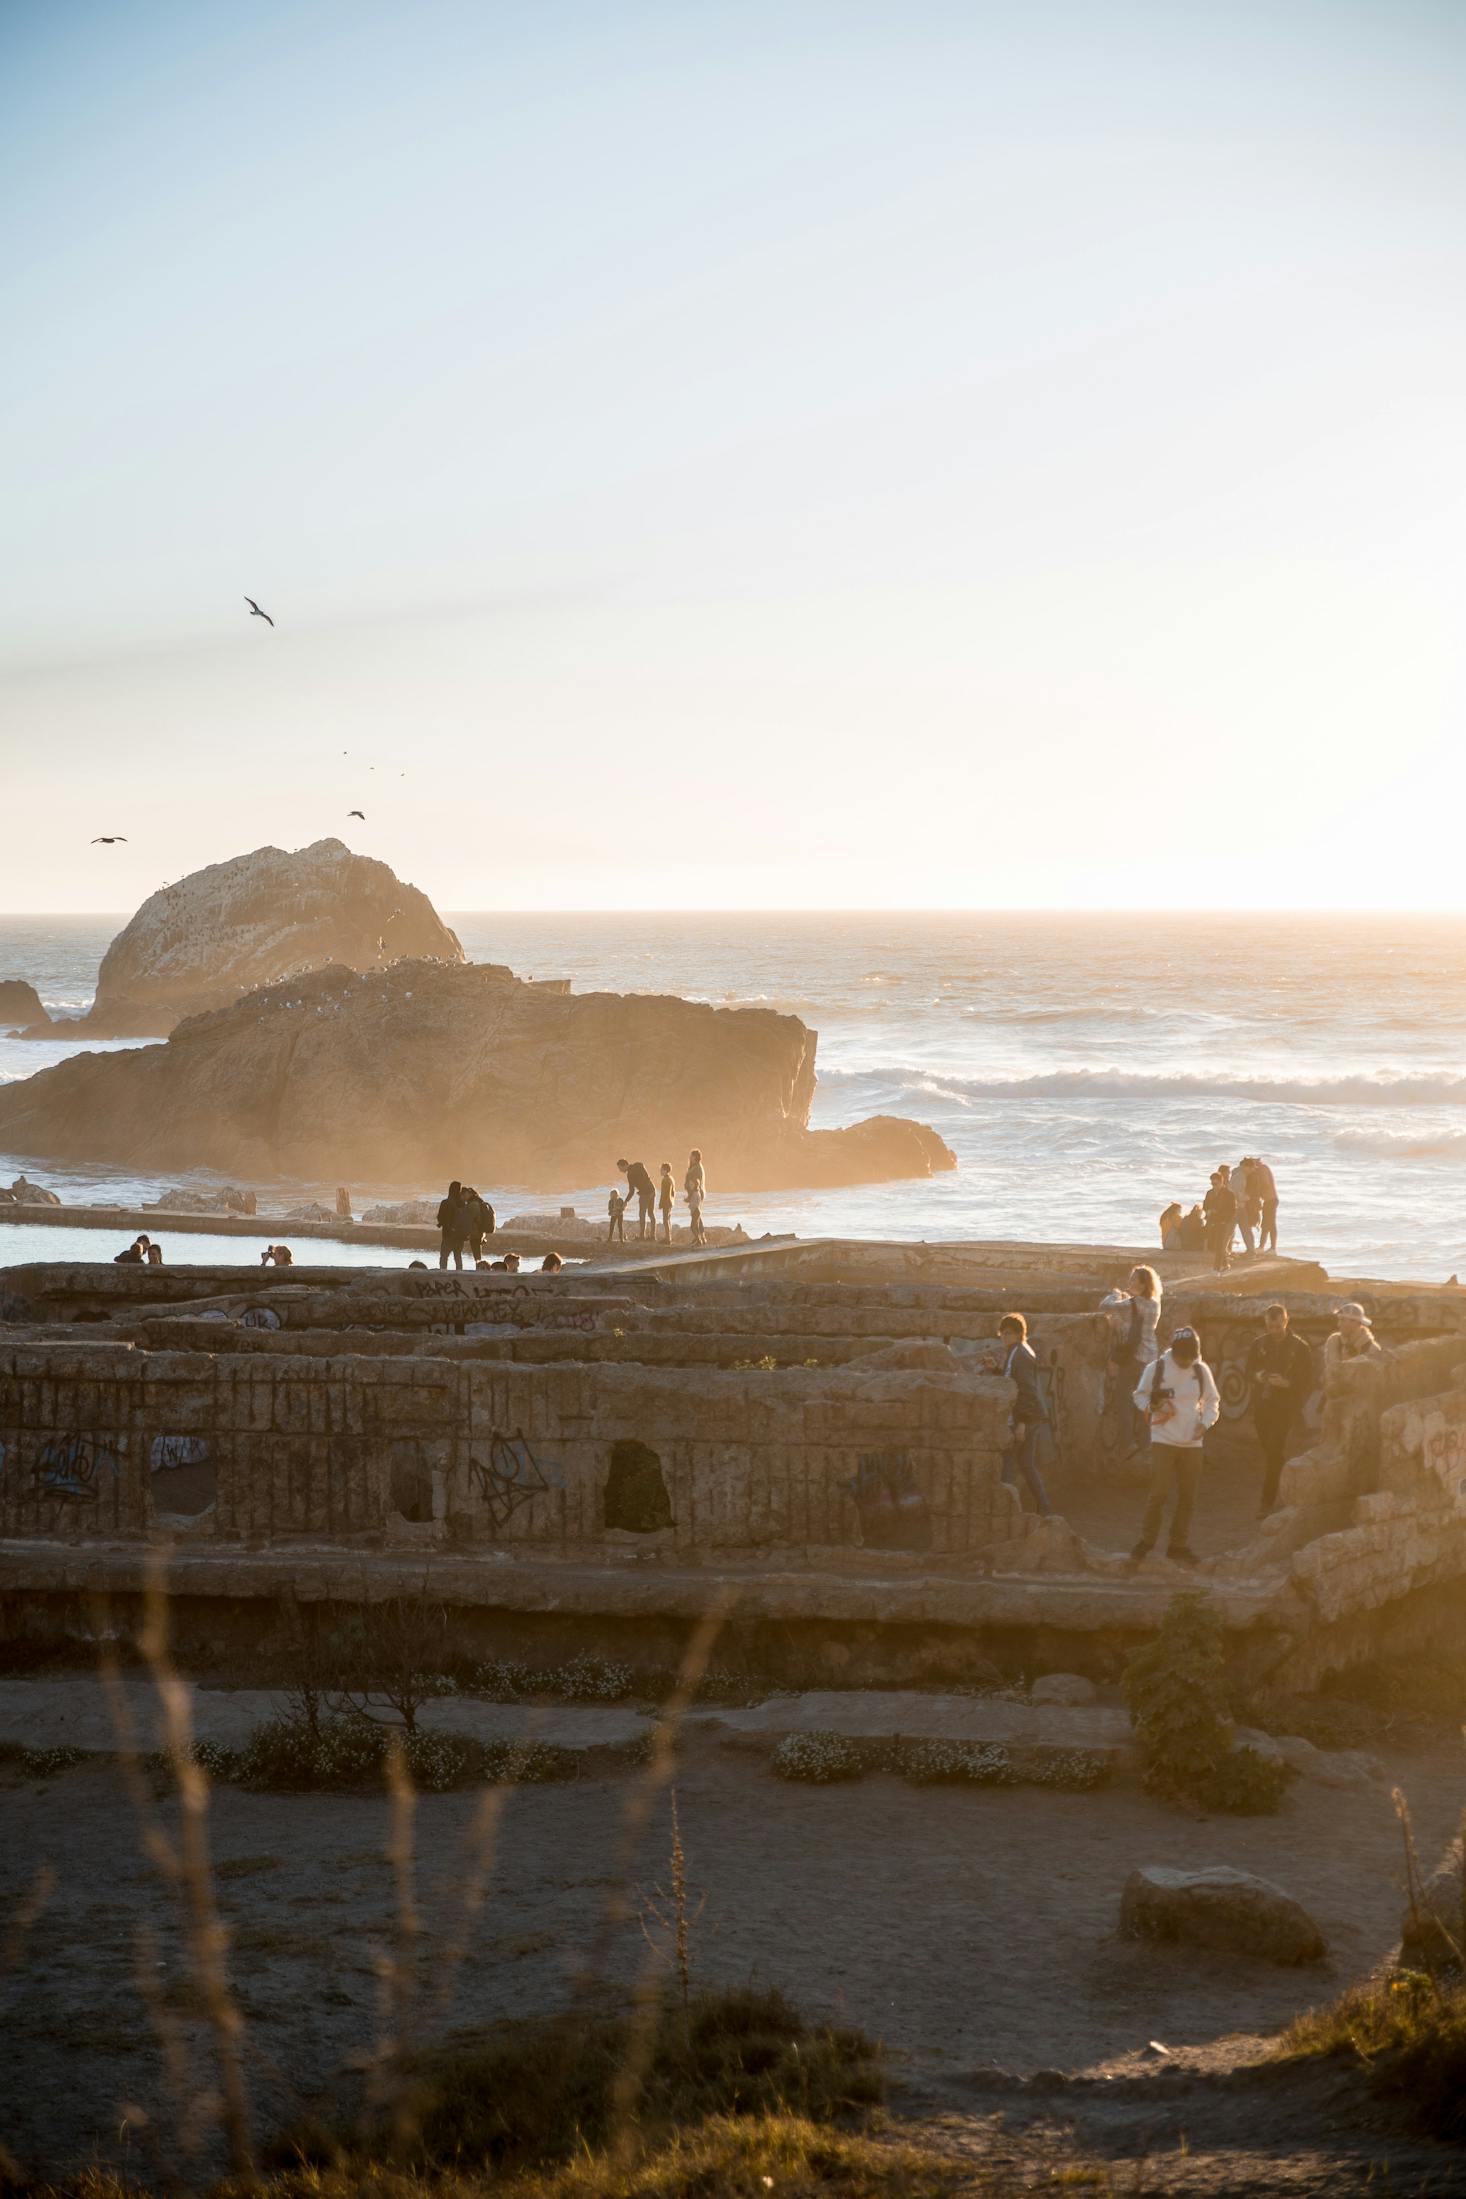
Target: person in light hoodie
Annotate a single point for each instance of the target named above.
(1178, 1395)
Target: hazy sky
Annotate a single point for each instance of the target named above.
(758, 455)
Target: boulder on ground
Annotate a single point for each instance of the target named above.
(1231, 1911)
(1063, 1687)
(431, 1070)
(32, 1194)
(234, 926)
(21, 1007)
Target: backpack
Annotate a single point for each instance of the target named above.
(1155, 1382)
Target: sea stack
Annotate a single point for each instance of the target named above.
(225, 930)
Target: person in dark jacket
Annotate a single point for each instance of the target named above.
(1020, 1365)
(639, 1186)
(1220, 1205)
(1280, 1381)
(478, 1218)
(453, 1224)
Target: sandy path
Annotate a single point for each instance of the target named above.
(968, 1928)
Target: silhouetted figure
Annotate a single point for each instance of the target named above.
(256, 612)
(695, 1186)
(1267, 1186)
(1280, 1381)
(1025, 1421)
(551, 1264)
(666, 1199)
(130, 1256)
(639, 1186)
(1220, 1205)
(1171, 1227)
(452, 1225)
(616, 1208)
(1248, 1193)
(478, 1218)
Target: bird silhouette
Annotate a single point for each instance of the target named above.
(108, 839)
(256, 612)
(361, 813)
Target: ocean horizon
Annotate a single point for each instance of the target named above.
(1085, 1068)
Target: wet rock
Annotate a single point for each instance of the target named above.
(20, 1006)
(1230, 1911)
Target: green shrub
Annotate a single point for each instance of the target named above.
(1072, 1771)
(1176, 1692)
(43, 1763)
(958, 1763)
(818, 1758)
(347, 1754)
(1410, 2031)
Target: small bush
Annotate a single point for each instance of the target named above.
(581, 1679)
(819, 1759)
(1410, 2031)
(1072, 1771)
(43, 1763)
(348, 1754)
(1176, 1692)
(958, 1763)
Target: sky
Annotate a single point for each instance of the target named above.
(786, 455)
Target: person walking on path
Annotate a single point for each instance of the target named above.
(1280, 1382)
(639, 1186)
(1180, 1396)
(1020, 1365)
(695, 1185)
(1352, 1339)
(452, 1225)
(1220, 1206)
(666, 1199)
(1267, 1191)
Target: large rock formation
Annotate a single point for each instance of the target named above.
(234, 926)
(427, 1070)
(21, 1008)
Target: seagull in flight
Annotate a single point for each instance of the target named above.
(108, 839)
(256, 612)
(361, 813)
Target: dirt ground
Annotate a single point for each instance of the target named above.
(972, 1929)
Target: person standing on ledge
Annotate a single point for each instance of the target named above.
(639, 1186)
(1280, 1381)
(1267, 1190)
(666, 1199)
(1180, 1396)
(453, 1224)
(1221, 1219)
(695, 1186)
(1020, 1365)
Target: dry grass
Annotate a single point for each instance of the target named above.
(1409, 2032)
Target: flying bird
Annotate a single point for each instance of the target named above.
(108, 839)
(256, 612)
(361, 813)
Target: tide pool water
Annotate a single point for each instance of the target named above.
(1085, 1069)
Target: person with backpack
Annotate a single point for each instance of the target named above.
(1220, 1205)
(1179, 1396)
(478, 1221)
(452, 1225)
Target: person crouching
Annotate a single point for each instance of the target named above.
(1179, 1397)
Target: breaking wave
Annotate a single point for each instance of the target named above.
(1406, 1090)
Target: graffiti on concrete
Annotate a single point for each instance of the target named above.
(511, 1475)
(75, 1468)
(177, 1450)
(893, 1511)
(1446, 1456)
(259, 1317)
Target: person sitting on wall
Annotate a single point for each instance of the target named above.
(130, 1256)
(639, 1186)
(551, 1264)
(510, 1263)
(1191, 1236)
(1280, 1382)
(155, 1255)
(1171, 1227)
(1352, 1339)
(417, 1263)
(284, 1257)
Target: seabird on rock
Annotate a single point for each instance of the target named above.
(256, 612)
(108, 839)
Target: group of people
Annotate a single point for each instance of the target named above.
(465, 1220)
(1170, 1399)
(1244, 1198)
(654, 1199)
(142, 1252)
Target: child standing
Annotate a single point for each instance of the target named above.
(616, 1208)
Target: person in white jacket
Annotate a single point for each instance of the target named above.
(1180, 1396)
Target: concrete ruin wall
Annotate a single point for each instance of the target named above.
(100, 1439)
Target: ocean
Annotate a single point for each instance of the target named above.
(1085, 1069)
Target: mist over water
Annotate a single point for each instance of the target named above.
(1085, 1069)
